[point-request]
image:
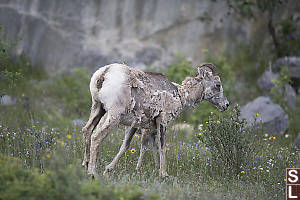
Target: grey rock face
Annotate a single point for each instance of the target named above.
(73, 33)
(265, 83)
(297, 141)
(290, 95)
(272, 116)
(292, 63)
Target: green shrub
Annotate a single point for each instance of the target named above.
(247, 155)
(16, 72)
(278, 90)
(277, 94)
(20, 183)
(72, 90)
(226, 140)
(288, 35)
(179, 70)
(61, 180)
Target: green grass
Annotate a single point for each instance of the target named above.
(52, 156)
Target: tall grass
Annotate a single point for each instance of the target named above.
(197, 168)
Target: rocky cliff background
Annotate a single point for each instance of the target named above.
(63, 34)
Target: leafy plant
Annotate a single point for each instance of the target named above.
(60, 181)
(16, 72)
(73, 92)
(283, 33)
(19, 183)
(278, 90)
(226, 140)
(180, 69)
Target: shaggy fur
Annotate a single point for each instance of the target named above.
(143, 101)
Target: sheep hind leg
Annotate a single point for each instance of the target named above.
(123, 149)
(96, 113)
(107, 123)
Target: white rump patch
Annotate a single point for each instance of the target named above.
(114, 82)
(93, 83)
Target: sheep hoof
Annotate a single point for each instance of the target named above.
(92, 172)
(138, 170)
(107, 170)
(106, 173)
(164, 175)
(85, 164)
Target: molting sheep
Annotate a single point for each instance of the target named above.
(143, 101)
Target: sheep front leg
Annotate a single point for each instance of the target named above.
(107, 123)
(162, 147)
(124, 147)
(162, 168)
(161, 138)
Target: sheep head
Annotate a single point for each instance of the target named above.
(213, 90)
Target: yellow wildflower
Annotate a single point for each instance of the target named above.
(265, 139)
(257, 114)
(242, 172)
(206, 122)
(218, 122)
(284, 179)
(27, 153)
(132, 150)
(69, 136)
(62, 143)
(272, 138)
(115, 191)
(136, 136)
(23, 95)
(200, 133)
(122, 198)
(48, 156)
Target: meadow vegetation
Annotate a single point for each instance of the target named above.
(41, 149)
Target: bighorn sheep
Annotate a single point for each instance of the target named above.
(146, 101)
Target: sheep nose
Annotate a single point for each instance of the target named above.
(227, 104)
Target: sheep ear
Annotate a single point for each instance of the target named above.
(201, 72)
